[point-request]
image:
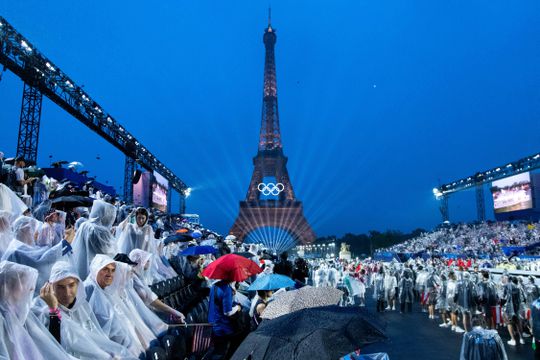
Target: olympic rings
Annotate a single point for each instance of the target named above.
(271, 188)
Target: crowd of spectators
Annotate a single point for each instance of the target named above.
(487, 240)
(96, 278)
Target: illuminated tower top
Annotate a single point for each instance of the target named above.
(270, 136)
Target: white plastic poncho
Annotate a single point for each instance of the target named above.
(81, 335)
(133, 236)
(22, 250)
(5, 231)
(153, 321)
(161, 269)
(147, 325)
(143, 277)
(52, 234)
(333, 277)
(9, 201)
(79, 222)
(94, 237)
(111, 315)
(23, 336)
(390, 285)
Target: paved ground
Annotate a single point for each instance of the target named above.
(415, 336)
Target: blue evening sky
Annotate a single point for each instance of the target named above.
(378, 100)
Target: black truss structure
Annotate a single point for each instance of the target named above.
(19, 56)
(477, 180)
(480, 203)
(129, 171)
(27, 143)
(528, 163)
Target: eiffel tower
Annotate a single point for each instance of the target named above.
(271, 204)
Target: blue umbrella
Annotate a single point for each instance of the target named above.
(196, 234)
(198, 250)
(271, 282)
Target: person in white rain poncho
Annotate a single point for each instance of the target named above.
(138, 235)
(22, 249)
(23, 336)
(420, 286)
(135, 233)
(80, 332)
(9, 201)
(321, 275)
(113, 319)
(451, 291)
(5, 231)
(333, 277)
(120, 296)
(390, 286)
(378, 289)
(141, 285)
(142, 316)
(52, 230)
(94, 237)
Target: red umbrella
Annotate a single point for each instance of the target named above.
(231, 267)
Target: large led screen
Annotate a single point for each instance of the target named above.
(160, 187)
(512, 193)
(141, 190)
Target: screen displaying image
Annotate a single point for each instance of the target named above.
(160, 187)
(512, 194)
(141, 190)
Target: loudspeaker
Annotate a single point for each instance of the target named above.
(136, 176)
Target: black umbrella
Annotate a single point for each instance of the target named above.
(316, 333)
(177, 238)
(71, 201)
(245, 254)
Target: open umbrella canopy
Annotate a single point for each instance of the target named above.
(271, 282)
(71, 201)
(177, 238)
(198, 250)
(230, 237)
(231, 267)
(306, 297)
(316, 333)
(74, 164)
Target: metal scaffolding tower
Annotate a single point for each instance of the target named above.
(480, 203)
(129, 170)
(27, 144)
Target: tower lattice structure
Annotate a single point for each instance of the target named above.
(284, 211)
